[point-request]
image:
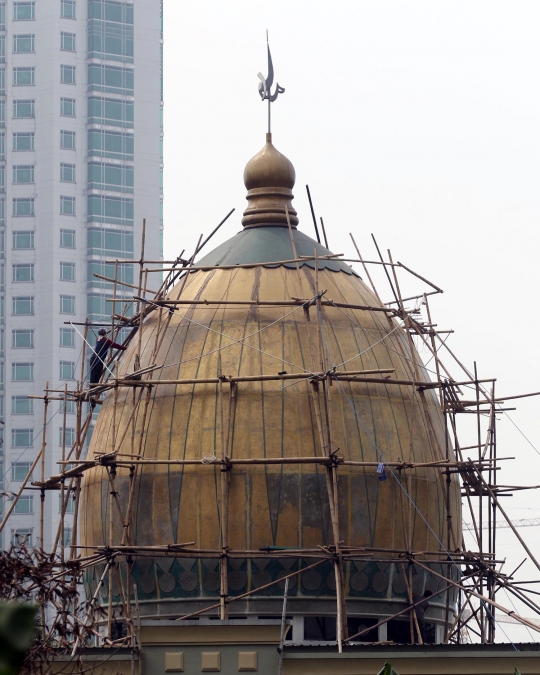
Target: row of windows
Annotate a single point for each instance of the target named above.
(107, 144)
(20, 470)
(26, 43)
(101, 208)
(24, 372)
(100, 241)
(100, 175)
(26, 11)
(22, 405)
(23, 141)
(100, 110)
(100, 77)
(24, 239)
(24, 272)
(23, 338)
(23, 305)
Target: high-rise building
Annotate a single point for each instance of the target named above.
(80, 168)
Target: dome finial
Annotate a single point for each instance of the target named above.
(265, 86)
(269, 176)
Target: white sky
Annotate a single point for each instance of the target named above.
(417, 121)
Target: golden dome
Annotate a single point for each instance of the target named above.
(269, 178)
(194, 415)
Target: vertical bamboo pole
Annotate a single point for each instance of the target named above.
(62, 486)
(42, 492)
(223, 562)
(111, 544)
(480, 504)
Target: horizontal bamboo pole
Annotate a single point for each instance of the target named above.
(268, 303)
(118, 461)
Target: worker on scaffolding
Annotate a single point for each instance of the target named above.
(97, 360)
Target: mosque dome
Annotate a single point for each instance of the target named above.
(189, 425)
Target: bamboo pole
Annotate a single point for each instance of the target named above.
(400, 613)
(236, 598)
(510, 612)
(295, 302)
(42, 453)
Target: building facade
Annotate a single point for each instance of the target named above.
(81, 166)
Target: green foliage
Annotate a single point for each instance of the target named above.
(387, 670)
(17, 632)
(516, 672)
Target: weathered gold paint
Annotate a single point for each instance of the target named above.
(274, 505)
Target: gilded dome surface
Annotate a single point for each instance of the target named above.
(281, 505)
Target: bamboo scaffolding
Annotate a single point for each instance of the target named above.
(128, 457)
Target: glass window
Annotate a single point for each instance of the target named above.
(23, 174)
(67, 337)
(2, 16)
(111, 10)
(110, 111)
(23, 272)
(23, 239)
(111, 177)
(112, 144)
(23, 141)
(22, 338)
(70, 407)
(3, 48)
(22, 372)
(67, 42)
(99, 309)
(24, 505)
(125, 273)
(23, 206)
(67, 9)
(67, 271)
(23, 76)
(67, 107)
(110, 40)
(70, 505)
(2, 81)
(70, 436)
(23, 305)
(67, 304)
(67, 173)
(23, 44)
(116, 80)
(114, 210)
(19, 470)
(116, 243)
(67, 206)
(23, 109)
(67, 74)
(68, 533)
(67, 238)
(22, 536)
(22, 405)
(67, 140)
(24, 11)
(67, 370)
(2, 145)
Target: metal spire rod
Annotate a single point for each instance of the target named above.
(265, 86)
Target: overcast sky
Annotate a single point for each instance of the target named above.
(417, 121)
